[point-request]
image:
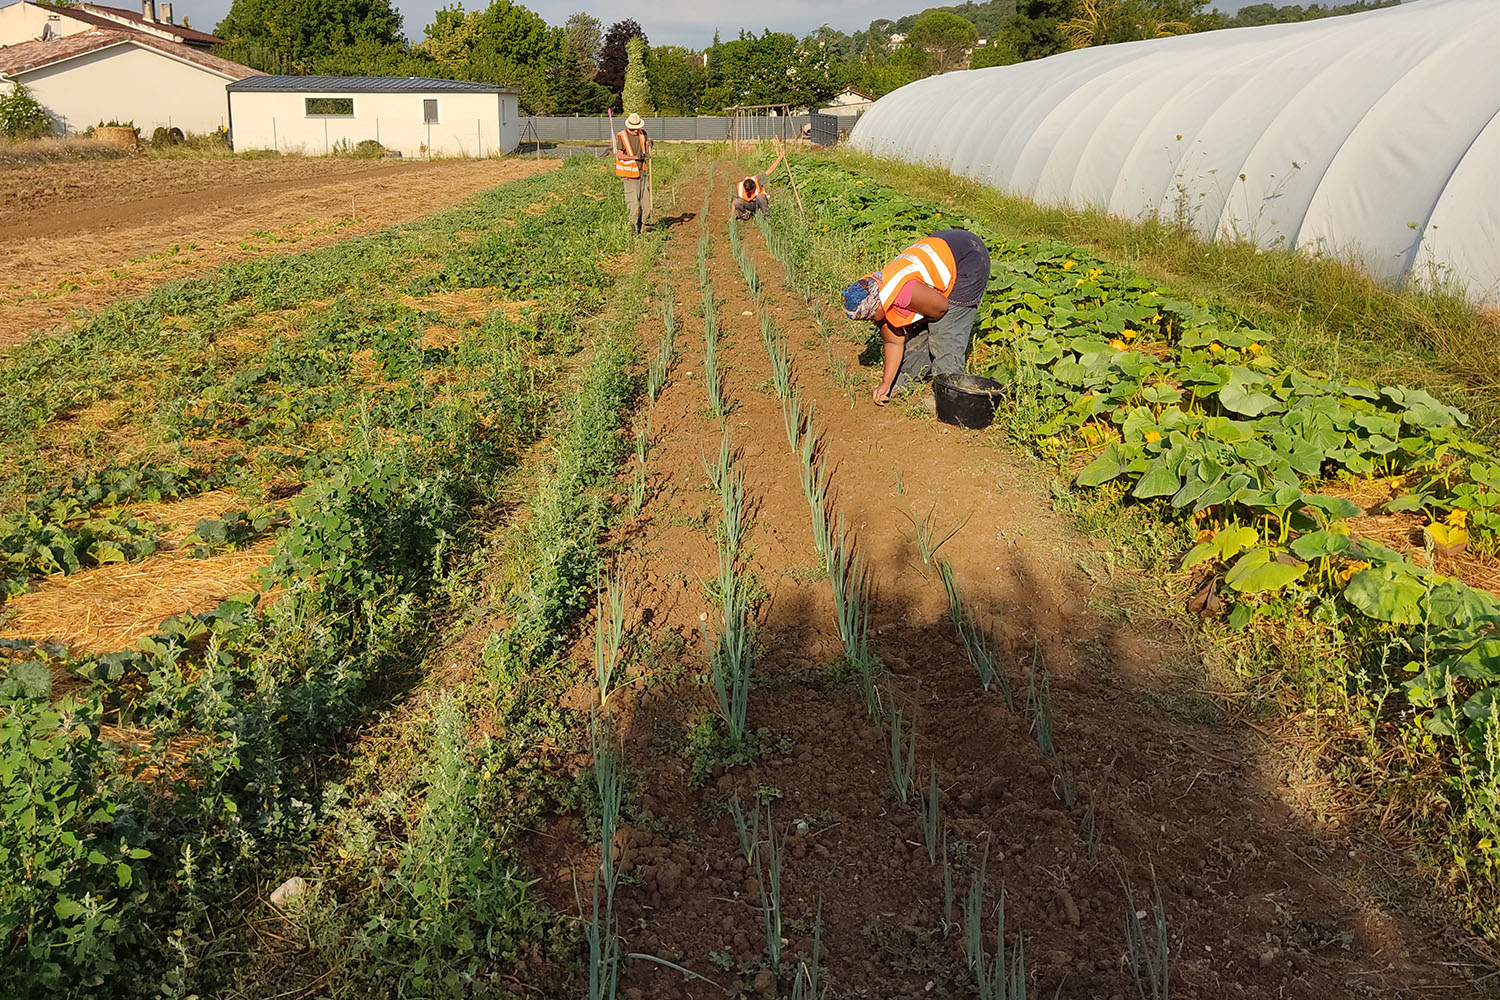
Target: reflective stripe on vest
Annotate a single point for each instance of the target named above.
(745, 190)
(624, 167)
(929, 261)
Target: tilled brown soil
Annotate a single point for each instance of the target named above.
(81, 235)
(1259, 904)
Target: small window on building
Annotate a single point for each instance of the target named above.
(330, 107)
(429, 113)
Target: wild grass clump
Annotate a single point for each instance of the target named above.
(986, 655)
(850, 577)
(902, 762)
(1039, 704)
(609, 633)
(1149, 953)
(661, 364)
(601, 931)
(996, 978)
(926, 534)
(769, 877)
(932, 813)
(712, 378)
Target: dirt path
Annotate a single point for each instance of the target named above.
(1258, 905)
(79, 236)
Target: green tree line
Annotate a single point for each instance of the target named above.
(582, 68)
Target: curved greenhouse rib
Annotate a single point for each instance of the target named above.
(1461, 240)
(1356, 134)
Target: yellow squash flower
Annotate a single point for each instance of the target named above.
(1457, 517)
(1068, 265)
(1118, 345)
(1152, 437)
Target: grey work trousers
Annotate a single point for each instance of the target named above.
(746, 209)
(637, 201)
(939, 347)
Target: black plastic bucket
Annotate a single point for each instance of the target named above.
(966, 400)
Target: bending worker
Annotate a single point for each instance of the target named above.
(632, 150)
(751, 193)
(923, 303)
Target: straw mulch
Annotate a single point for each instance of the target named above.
(1403, 533)
(108, 608)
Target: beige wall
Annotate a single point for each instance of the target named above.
(24, 22)
(468, 124)
(129, 83)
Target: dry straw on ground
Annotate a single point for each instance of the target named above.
(109, 608)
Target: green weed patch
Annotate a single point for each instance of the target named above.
(137, 801)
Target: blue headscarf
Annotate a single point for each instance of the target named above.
(862, 298)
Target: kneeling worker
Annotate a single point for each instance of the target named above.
(924, 303)
(751, 194)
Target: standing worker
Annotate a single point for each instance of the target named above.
(751, 194)
(924, 303)
(632, 150)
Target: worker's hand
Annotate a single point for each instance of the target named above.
(881, 395)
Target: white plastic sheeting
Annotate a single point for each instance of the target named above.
(1374, 134)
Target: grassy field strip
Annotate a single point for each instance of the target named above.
(1180, 414)
(240, 704)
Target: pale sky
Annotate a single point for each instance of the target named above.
(667, 22)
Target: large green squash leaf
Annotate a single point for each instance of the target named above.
(1387, 593)
(1260, 572)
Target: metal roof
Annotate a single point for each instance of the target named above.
(365, 85)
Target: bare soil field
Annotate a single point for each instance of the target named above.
(80, 235)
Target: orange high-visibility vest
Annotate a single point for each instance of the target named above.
(744, 193)
(929, 261)
(624, 167)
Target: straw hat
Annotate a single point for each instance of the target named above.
(634, 122)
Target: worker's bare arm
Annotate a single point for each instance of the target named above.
(928, 301)
(894, 345)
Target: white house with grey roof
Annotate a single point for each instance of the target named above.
(415, 116)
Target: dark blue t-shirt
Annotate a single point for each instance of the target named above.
(972, 258)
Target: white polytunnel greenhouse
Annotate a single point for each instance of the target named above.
(1375, 135)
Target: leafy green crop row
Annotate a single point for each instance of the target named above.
(132, 803)
(1183, 405)
(80, 525)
